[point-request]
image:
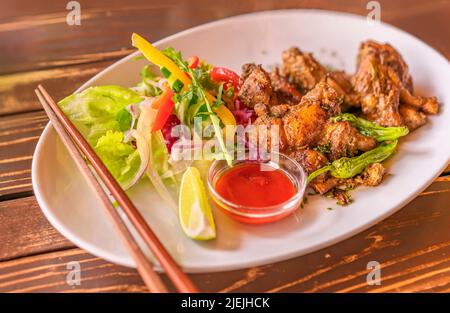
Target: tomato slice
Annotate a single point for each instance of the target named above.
(193, 62)
(164, 105)
(222, 74)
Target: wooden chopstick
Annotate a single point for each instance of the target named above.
(145, 268)
(173, 271)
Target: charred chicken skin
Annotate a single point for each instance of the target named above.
(340, 139)
(384, 84)
(303, 123)
(286, 92)
(256, 88)
(301, 68)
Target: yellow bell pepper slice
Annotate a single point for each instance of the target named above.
(156, 57)
(225, 115)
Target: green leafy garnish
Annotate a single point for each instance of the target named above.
(124, 119)
(324, 149)
(197, 76)
(100, 114)
(165, 72)
(219, 101)
(177, 85)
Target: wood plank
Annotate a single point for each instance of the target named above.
(412, 246)
(16, 90)
(26, 231)
(48, 272)
(18, 137)
(36, 37)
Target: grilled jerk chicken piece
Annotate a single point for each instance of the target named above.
(341, 139)
(372, 175)
(303, 123)
(412, 118)
(267, 118)
(428, 105)
(301, 68)
(341, 82)
(305, 71)
(286, 92)
(256, 87)
(383, 82)
(380, 97)
(312, 160)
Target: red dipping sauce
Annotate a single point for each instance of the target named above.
(247, 185)
(257, 192)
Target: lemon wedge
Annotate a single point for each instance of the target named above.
(194, 211)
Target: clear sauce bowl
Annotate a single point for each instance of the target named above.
(260, 214)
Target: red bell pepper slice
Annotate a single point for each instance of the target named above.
(164, 104)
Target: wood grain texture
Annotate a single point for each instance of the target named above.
(412, 246)
(16, 90)
(18, 137)
(25, 230)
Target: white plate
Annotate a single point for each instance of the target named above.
(334, 39)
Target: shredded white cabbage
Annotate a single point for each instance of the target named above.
(143, 129)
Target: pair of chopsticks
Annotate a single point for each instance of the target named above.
(78, 146)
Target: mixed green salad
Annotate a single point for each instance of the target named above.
(131, 128)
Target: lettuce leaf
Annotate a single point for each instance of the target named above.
(121, 159)
(94, 110)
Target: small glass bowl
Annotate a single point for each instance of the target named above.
(260, 215)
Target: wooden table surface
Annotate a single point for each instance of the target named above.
(37, 46)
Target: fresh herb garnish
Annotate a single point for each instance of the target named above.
(218, 101)
(324, 149)
(197, 88)
(346, 199)
(177, 85)
(229, 93)
(165, 72)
